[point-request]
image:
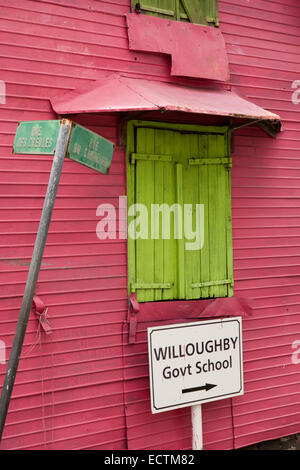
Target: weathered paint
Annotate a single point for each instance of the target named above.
(119, 93)
(198, 52)
(72, 386)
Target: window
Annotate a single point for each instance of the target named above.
(179, 212)
(203, 12)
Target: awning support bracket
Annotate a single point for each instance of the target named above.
(270, 127)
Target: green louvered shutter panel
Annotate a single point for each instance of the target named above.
(156, 260)
(194, 11)
(185, 168)
(207, 181)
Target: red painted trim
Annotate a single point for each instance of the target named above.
(231, 306)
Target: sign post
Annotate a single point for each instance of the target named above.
(48, 138)
(196, 415)
(195, 363)
(60, 151)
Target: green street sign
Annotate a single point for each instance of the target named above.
(90, 149)
(36, 137)
(85, 147)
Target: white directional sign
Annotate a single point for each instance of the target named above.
(194, 363)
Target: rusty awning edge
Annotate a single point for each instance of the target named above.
(118, 93)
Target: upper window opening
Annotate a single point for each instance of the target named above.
(179, 212)
(204, 12)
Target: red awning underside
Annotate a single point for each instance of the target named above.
(117, 93)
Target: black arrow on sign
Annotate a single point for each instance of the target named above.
(205, 387)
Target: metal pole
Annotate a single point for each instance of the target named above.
(196, 412)
(12, 366)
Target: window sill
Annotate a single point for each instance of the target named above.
(179, 311)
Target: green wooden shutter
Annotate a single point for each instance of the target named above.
(170, 166)
(194, 11)
(207, 181)
(156, 260)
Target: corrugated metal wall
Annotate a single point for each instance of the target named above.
(69, 392)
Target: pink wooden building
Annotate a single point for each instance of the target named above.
(103, 64)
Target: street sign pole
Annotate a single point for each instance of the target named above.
(196, 414)
(60, 152)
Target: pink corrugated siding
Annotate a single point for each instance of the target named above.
(264, 51)
(70, 391)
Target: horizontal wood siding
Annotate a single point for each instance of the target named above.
(68, 392)
(72, 388)
(264, 52)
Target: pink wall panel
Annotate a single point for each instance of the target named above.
(69, 391)
(264, 50)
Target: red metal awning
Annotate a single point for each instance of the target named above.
(117, 93)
